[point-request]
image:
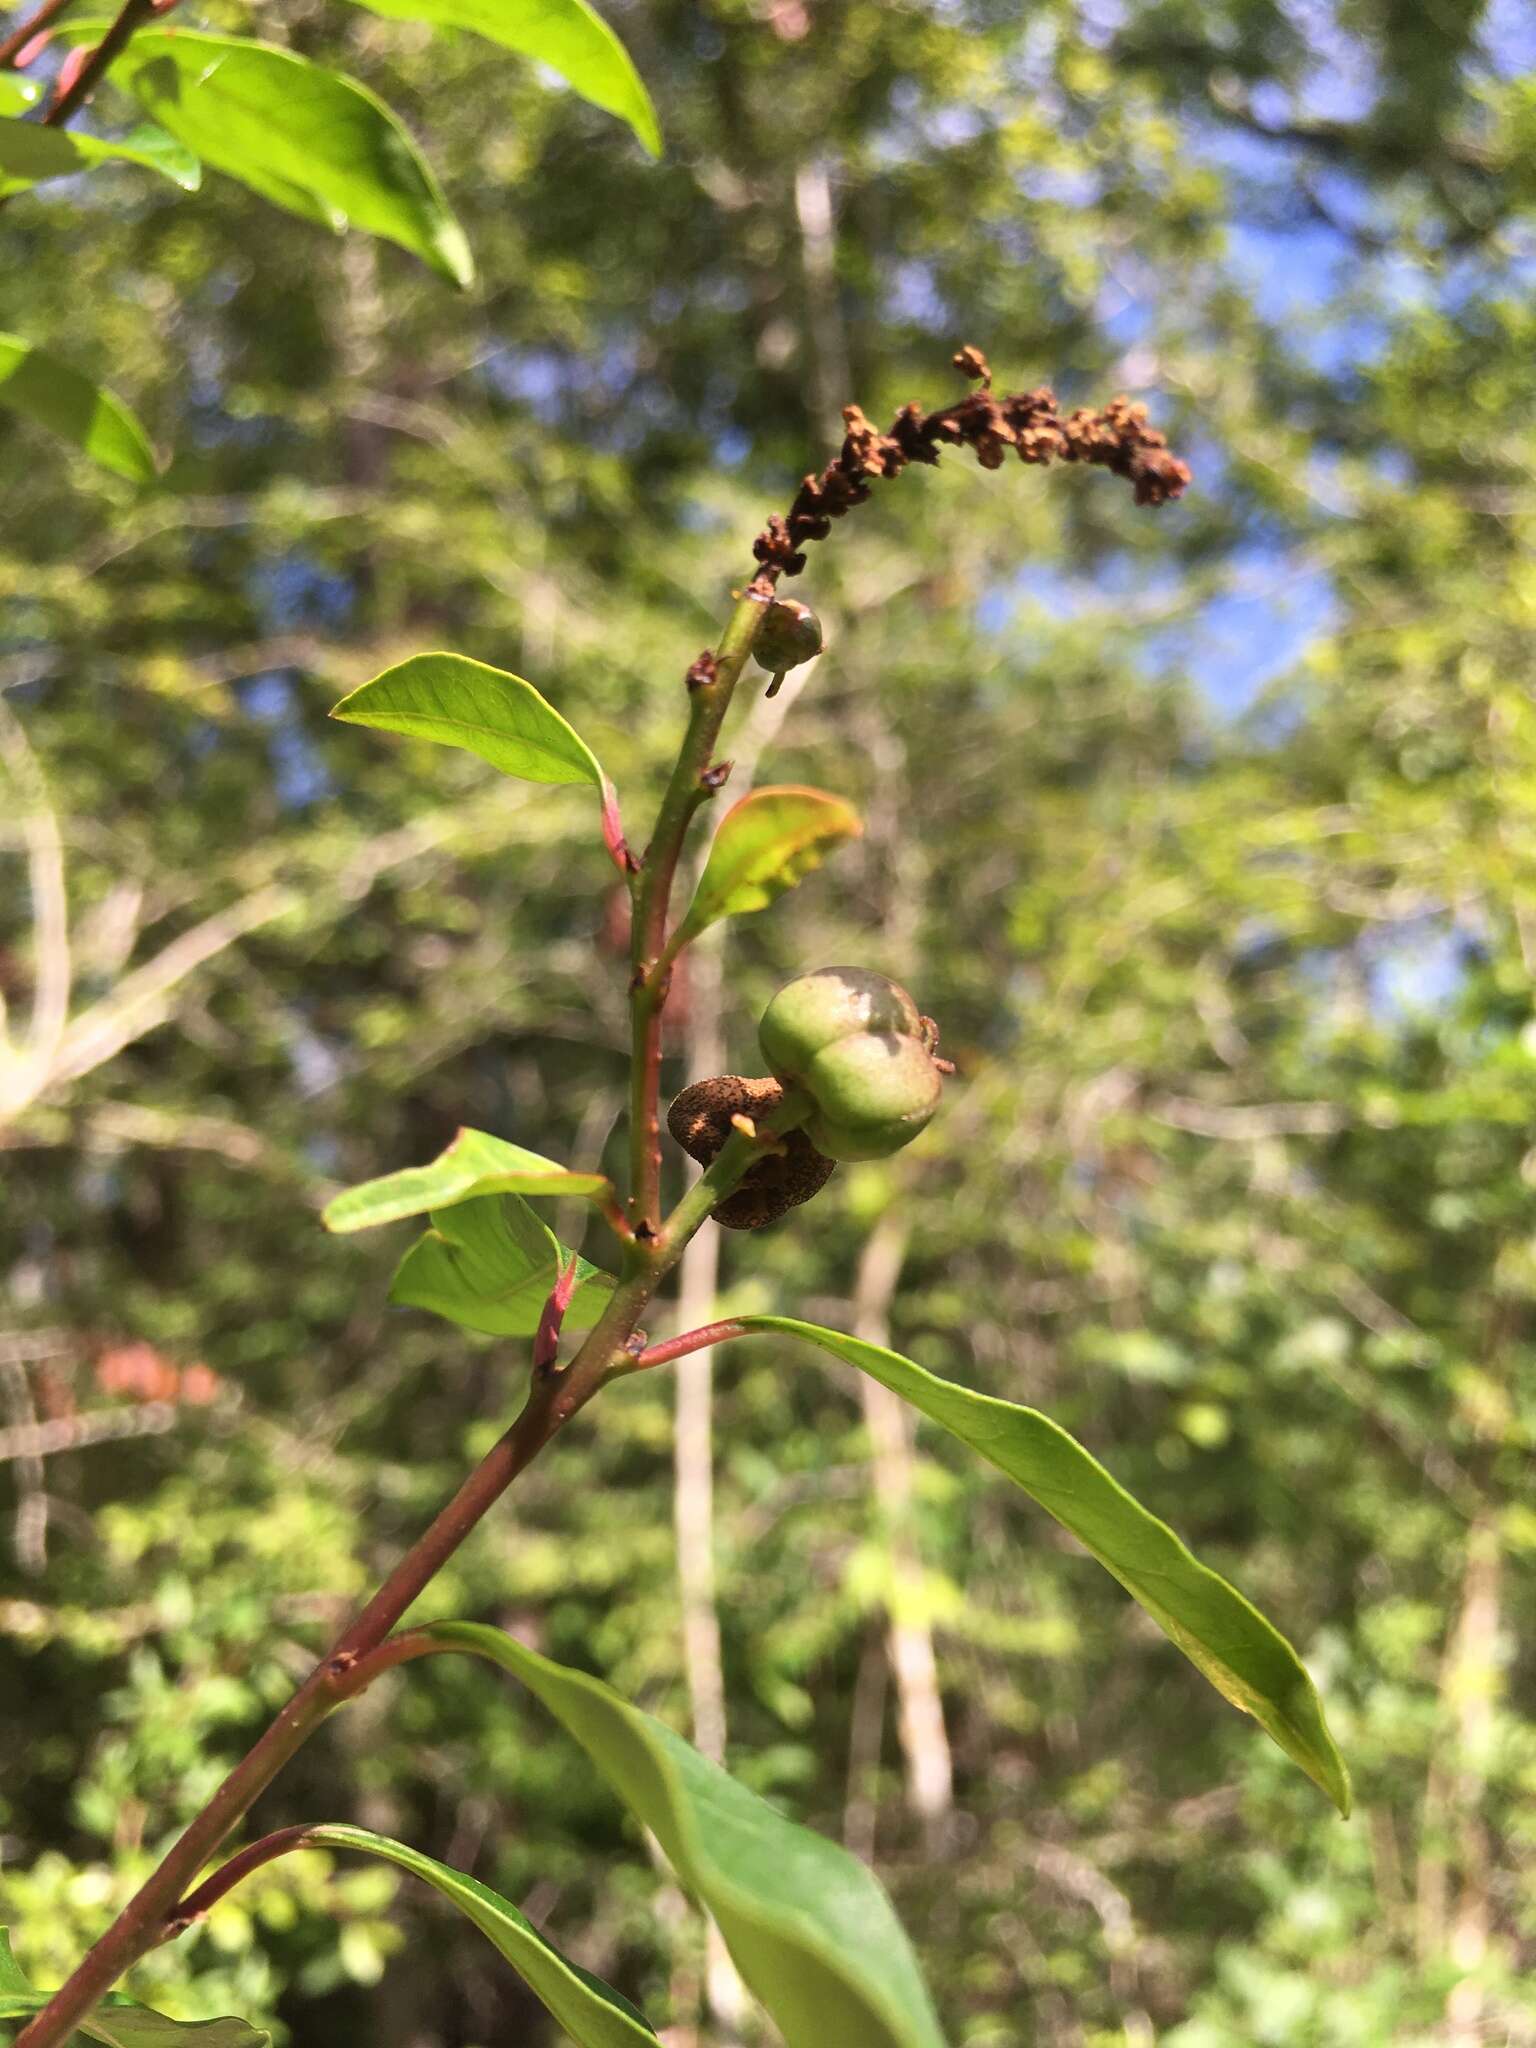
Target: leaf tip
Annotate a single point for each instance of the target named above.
(647, 128)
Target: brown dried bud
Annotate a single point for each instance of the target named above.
(970, 362)
(701, 1120)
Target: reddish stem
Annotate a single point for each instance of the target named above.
(235, 1871)
(33, 26)
(690, 1340)
(402, 1649)
(354, 1660)
(711, 682)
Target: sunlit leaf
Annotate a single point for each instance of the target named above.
(474, 1164)
(18, 93)
(463, 703)
(304, 137)
(1247, 1660)
(38, 385)
(567, 35)
(120, 2023)
(489, 1265)
(30, 153)
(769, 841)
(809, 1927)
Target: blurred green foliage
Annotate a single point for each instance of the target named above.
(1209, 837)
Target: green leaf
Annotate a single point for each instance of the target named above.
(308, 139)
(474, 1164)
(766, 843)
(1247, 1660)
(38, 385)
(809, 1927)
(489, 1265)
(13, 1982)
(120, 2023)
(18, 93)
(463, 703)
(567, 35)
(30, 153)
(590, 2011)
(158, 151)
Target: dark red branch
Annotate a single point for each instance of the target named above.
(1029, 423)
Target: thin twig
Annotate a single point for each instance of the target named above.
(31, 1475)
(78, 1432)
(50, 906)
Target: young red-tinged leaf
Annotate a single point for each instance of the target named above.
(43, 389)
(308, 139)
(1247, 1660)
(489, 1265)
(120, 2023)
(546, 1339)
(769, 841)
(808, 1925)
(476, 1163)
(463, 703)
(567, 35)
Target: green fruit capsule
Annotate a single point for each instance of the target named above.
(874, 1091)
(790, 633)
(818, 1009)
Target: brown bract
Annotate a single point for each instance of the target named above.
(700, 1120)
(1029, 423)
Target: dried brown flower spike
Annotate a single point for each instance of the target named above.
(700, 1120)
(1030, 423)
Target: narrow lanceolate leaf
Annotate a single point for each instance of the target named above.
(810, 1929)
(592, 2013)
(474, 1164)
(567, 35)
(38, 385)
(30, 153)
(120, 2023)
(489, 1265)
(1249, 1662)
(304, 137)
(463, 703)
(766, 843)
(18, 93)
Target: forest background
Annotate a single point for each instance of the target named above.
(1209, 836)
